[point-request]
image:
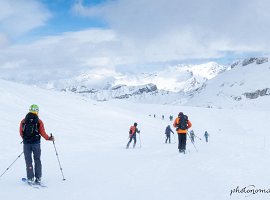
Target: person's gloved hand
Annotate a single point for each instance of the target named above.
(51, 138)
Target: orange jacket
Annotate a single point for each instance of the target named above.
(133, 130)
(41, 129)
(176, 122)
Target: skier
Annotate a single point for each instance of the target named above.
(168, 132)
(192, 136)
(206, 135)
(181, 123)
(31, 128)
(132, 134)
(162, 117)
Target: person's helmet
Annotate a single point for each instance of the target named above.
(33, 108)
(135, 124)
(180, 114)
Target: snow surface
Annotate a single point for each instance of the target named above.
(91, 138)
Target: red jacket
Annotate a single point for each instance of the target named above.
(41, 129)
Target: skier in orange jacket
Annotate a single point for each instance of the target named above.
(182, 124)
(132, 135)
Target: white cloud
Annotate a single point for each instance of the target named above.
(18, 17)
(61, 56)
(197, 27)
(141, 32)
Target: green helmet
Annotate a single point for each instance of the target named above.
(33, 108)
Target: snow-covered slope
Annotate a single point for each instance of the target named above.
(91, 138)
(246, 84)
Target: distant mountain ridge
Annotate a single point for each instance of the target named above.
(165, 86)
(243, 83)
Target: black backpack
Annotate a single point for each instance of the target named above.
(30, 128)
(183, 122)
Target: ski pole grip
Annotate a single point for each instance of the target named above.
(52, 136)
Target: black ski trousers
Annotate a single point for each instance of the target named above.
(133, 137)
(168, 137)
(182, 140)
(28, 149)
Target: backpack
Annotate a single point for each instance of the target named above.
(183, 122)
(30, 129)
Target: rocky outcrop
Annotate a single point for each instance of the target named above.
(261, 60)
(257, 93)
(248, 61)
(115, 92)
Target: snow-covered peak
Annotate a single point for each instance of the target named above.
(247, 83)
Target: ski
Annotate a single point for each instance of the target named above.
(34, 185)
(29, 184)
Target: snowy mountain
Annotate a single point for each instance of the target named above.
(246, 84)
(91, 137)
(164, 86)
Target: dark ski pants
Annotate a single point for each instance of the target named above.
(206, 139)
(133, 137)
(182, 140)
(168, 137)
(28, 149)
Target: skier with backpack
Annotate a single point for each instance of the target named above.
(132, 135)
(182, 124)
(31, 130)
(168, 132)
(192, 136)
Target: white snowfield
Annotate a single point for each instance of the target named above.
(91, 138)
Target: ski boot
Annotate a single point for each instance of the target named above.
(38, 181)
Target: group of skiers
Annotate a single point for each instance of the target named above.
(193, 136)
(181, 123)
(32, 128)
(162, 117)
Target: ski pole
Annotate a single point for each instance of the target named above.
(174, 138)
(192, 142)
(11, 165)
(140, 140)
(198, 137)
(58, 160)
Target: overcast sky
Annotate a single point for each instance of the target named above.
(62, 37)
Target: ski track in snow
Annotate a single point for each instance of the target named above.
(91, 138)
